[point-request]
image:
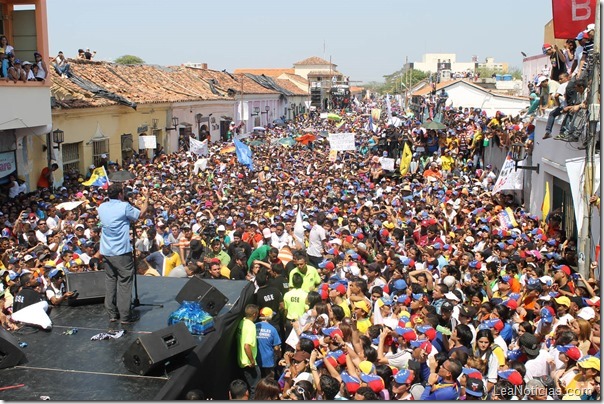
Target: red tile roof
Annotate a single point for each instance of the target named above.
(294, 77)
(142, 84)
(288, 85)
(267, 72)
(314, 60)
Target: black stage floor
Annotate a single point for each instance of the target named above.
(72, 367)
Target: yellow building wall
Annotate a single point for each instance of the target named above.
(80, 126)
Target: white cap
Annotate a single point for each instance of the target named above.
(103, 156)
(303, 376)
(586, 313)
(221, 228)
(547, 280)
(541, 79)
(449, 281)
(266, 233)
(451, 296)
(591, 27)
(92, 166)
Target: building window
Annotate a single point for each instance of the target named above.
(127, 150)
(99, 147)
(71, 156)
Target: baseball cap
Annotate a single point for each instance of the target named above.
(512, 376)
(514, 354)
(570, 350)
(399, 284)
(361, 304)
(474, 387)
(529, 343)
(589, 362)
(374, 382)
(351, 382)
(533, 284)
(366, 367)
(451, 296)
(511, 304)
(266, 312)
(466, 311)
(563, 268)
(407, 333)
(471, 372)
(546, 315)
(495, 324)
(339, 287)
(301, 356)
(55, 272)
(563, 300)
(332, 332)
(428, 331)
(404, 376)
(423, 344)
(586, 313)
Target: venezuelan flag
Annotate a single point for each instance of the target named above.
(98, 178)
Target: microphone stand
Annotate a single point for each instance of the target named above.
(136, 302)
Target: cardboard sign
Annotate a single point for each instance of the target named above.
(341, 141)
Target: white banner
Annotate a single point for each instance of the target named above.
(387, 164)
(197, 147)
(576, 178)
(323, 115)
(147, 142)
(7, 163)
(242, 115)
(341, 141)
(509, 178)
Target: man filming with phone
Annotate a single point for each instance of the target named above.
(116, 216)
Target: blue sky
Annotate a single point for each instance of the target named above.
(367, 40)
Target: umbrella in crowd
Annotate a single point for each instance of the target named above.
(305, 139)
(433, 125)
(227, 149)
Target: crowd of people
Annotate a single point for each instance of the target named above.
(14, 69)
(370, 283)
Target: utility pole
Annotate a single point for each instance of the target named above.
(593, 105)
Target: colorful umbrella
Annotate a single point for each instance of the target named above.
(305, 139)
(227, 149)
(287, 141)
(334, 117)
(435, 125)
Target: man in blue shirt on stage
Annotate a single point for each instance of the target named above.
(116, 216)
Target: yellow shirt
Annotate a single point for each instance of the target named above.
(170, 263)
(295, 303)
(363, 325)
(446, 162)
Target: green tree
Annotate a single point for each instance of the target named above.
(516, 73)
(397, 82)
(129, 60)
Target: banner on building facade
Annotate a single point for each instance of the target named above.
(509, 178)
(572, 17)
(8, 164)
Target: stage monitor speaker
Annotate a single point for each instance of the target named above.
(10, 352)
(151, 351)
(89, 287)
(198, 290)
